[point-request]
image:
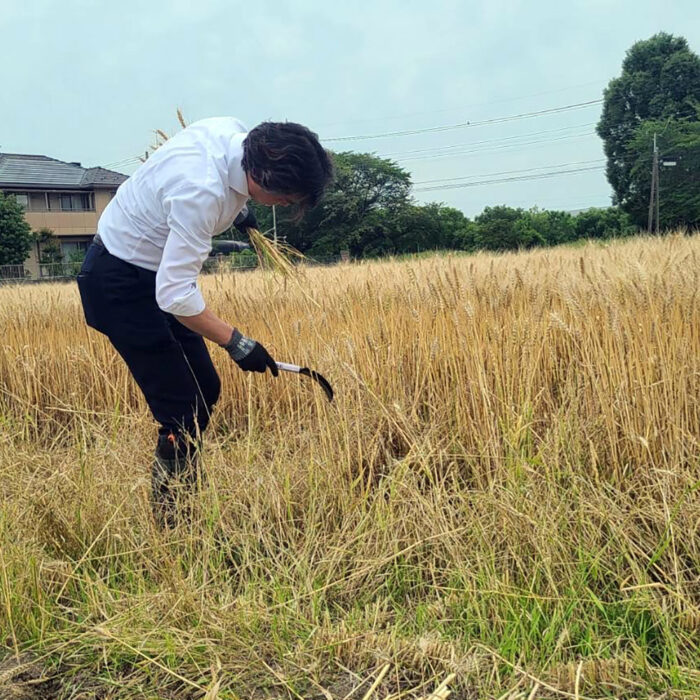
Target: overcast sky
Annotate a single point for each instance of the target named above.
(88, 81)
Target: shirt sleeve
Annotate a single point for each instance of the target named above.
(191, 213)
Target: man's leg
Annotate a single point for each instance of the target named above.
(202, 369)
(170, 364)
(181, 387)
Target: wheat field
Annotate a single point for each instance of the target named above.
(502, 502)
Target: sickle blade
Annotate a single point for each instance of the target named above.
(324, 383)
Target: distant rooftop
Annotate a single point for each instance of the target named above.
(20, 170)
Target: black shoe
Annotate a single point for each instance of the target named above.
(174, 476)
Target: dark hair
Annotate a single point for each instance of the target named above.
(287, 158)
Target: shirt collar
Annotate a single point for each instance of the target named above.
(237, 179)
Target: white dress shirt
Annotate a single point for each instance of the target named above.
(164, 216)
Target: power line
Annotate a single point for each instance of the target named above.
(430, 155)
(476, 143)
(506, 147)
(492, 149)
(468, 124)
(497, 120)
(511, 172)
(591, 202)
(123, 162)
(463, 107)
(522, 178)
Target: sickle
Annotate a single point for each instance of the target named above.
(286, 367)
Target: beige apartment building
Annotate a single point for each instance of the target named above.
(63, 197)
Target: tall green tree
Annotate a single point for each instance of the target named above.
(49, 247)
(660, 81)
(548, 227)
(505, 228)
(455, 230)
(408, 229)
(678, 142)
(365, 188)
(15, 232)
(608, 222)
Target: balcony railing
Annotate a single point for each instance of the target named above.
(55, 210)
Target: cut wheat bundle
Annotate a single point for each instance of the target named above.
(273, 255)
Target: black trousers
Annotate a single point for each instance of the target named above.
(169, 362)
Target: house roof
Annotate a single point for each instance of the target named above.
(17, 169)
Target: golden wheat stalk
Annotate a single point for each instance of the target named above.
(273, 255)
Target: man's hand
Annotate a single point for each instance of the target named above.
(245, 220)
(249, 355)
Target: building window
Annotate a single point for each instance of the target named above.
(37, 201)
(78, 202)
(73, 250)
(22, 199)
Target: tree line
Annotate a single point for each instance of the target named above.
(369, 212)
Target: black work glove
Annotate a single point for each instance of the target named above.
(249, 355)
(245, 220)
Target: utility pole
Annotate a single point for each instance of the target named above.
(654, 196)
(274, 224)
(656, 165)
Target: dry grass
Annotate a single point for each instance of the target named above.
(506, 488)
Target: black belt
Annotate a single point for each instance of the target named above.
(98, 241)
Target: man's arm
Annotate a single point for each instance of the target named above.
(192, 213)
(248, 354)
(208, 324)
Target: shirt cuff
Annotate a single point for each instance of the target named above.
(189, 305)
